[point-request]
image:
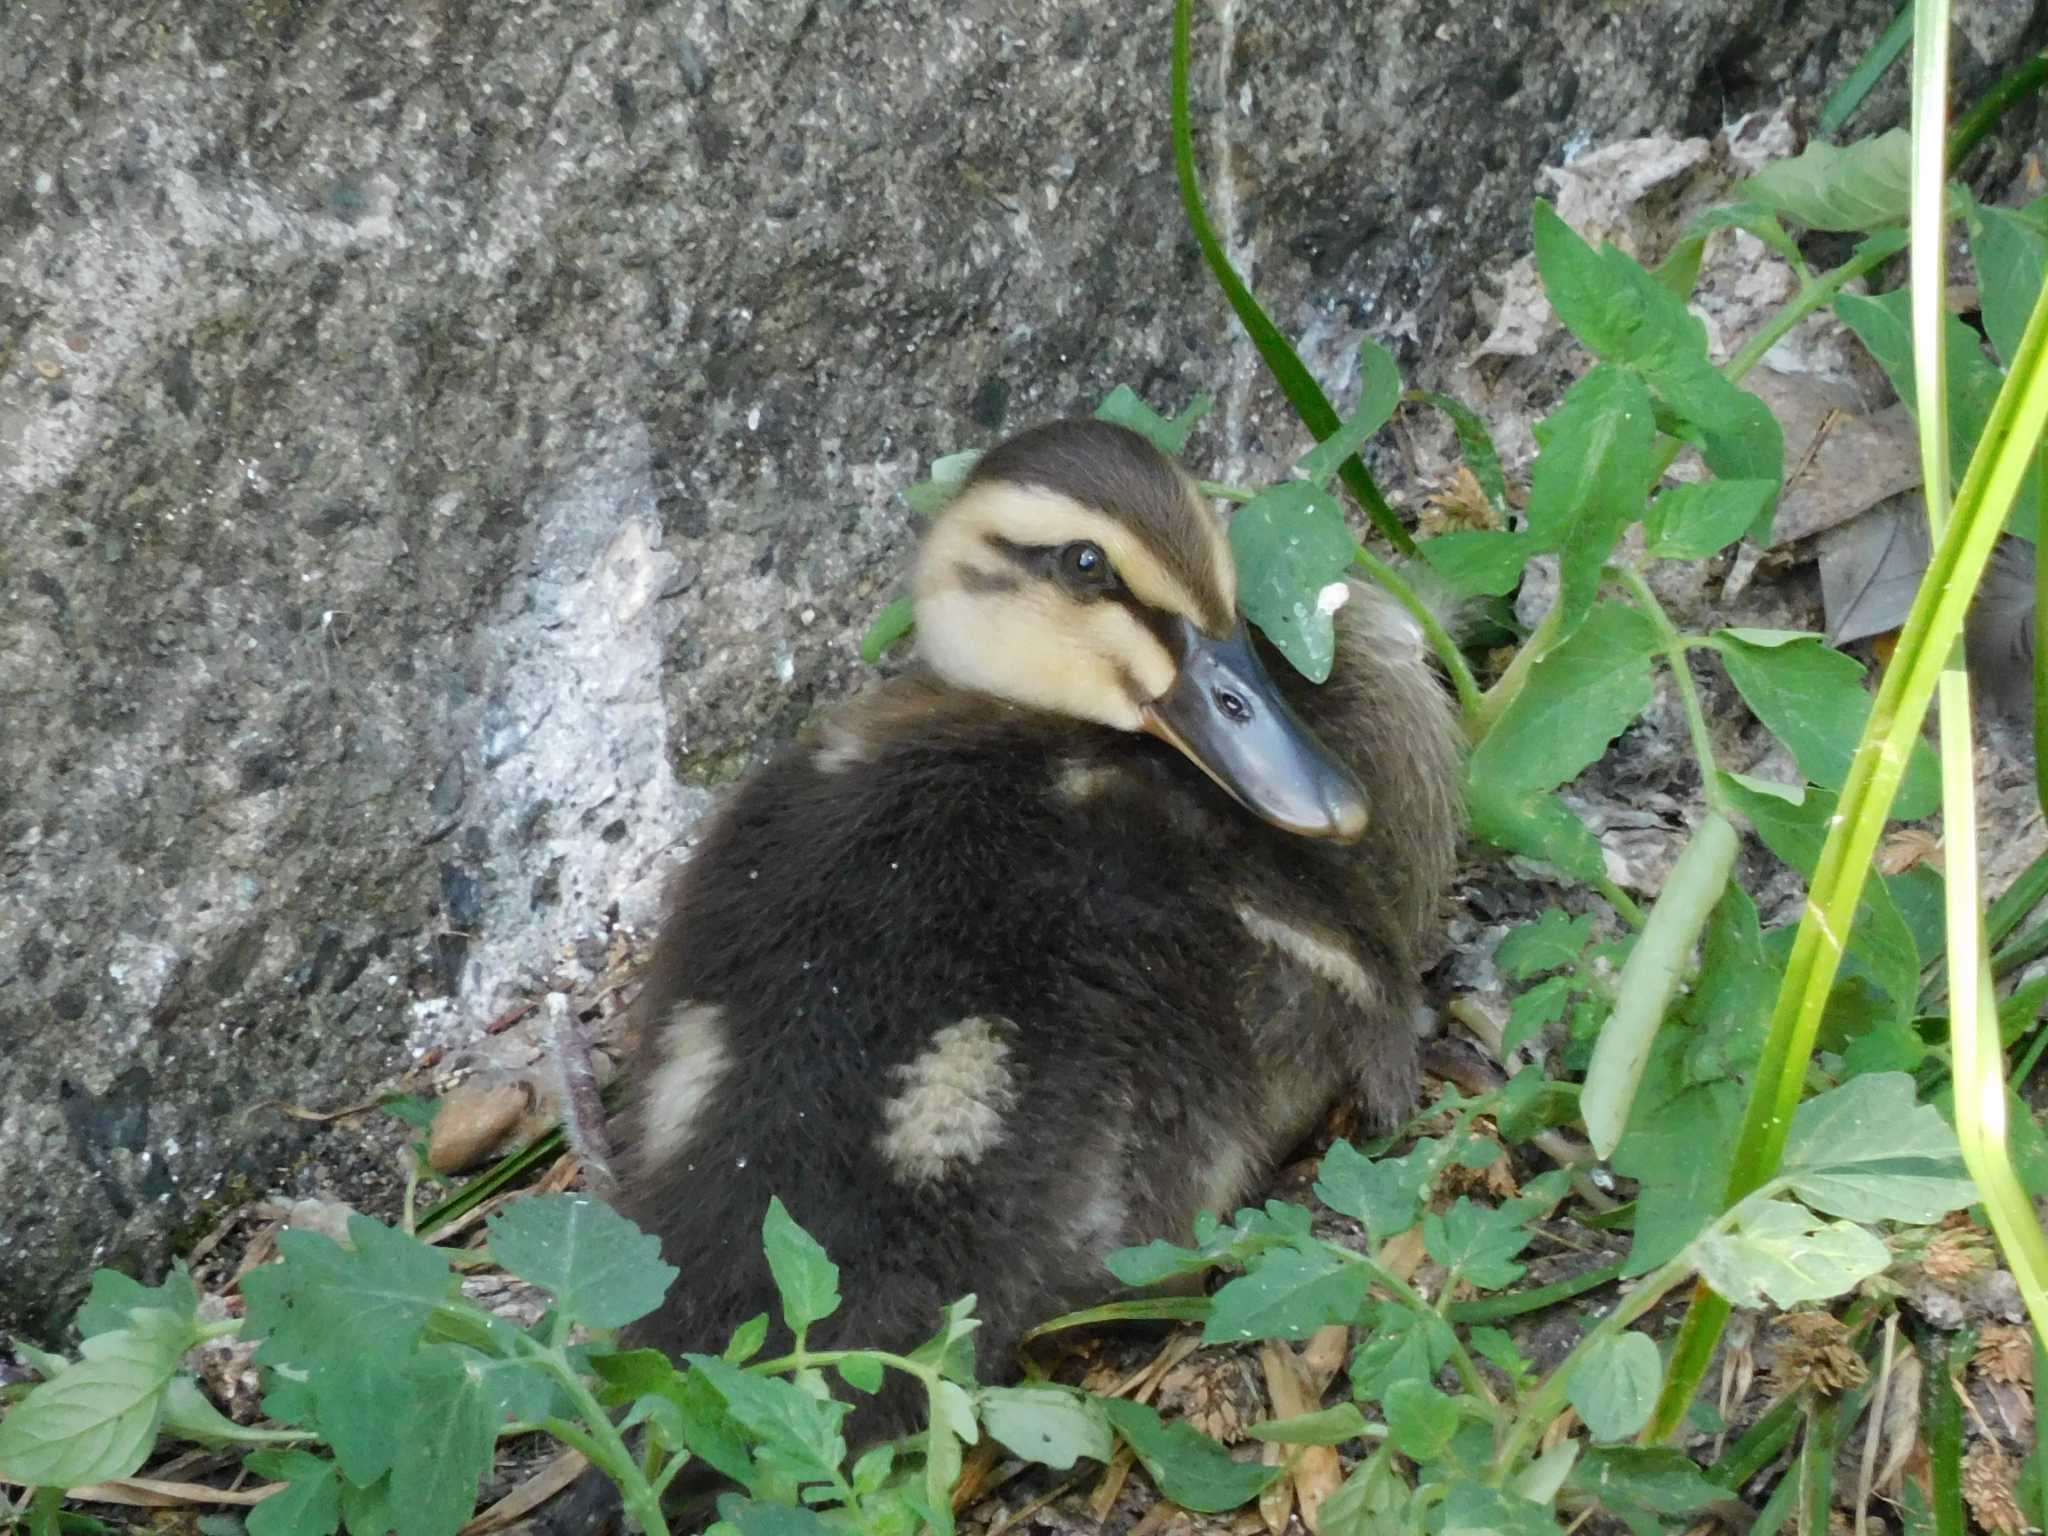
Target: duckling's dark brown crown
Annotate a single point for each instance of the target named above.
(1115, 471)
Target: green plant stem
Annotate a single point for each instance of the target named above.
(1930, 635)
(2025, 1069)
(1222, 492)
(1971, 127)
(598, 1438)
(818, 1359)
(1468, 1369)
(1296, 382)
(1494, 1308)
(1675, 650)
(1815, 294)
(1508, 687)
(2040, 673)
(1469, 697)
(1941, 1423)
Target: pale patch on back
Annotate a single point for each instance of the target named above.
(1317, 953)
(840, 746)
(951, 1109)
(1079, 781)
(694, 1062)
(1229, 1174)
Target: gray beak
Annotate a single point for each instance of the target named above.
(1224, 713)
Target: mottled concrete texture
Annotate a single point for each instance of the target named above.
(442, 442)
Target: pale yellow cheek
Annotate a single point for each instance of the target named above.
(1072, 662)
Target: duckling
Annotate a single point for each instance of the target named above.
(1038, 950)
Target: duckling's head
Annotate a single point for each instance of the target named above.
(1080, 572)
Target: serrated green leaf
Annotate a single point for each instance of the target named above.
(800, 1432)
(1330, 1426)
(1615, 1384)
(1783, 1252)
(114, 1296)
(1553, 942)
(807, 1280)
(353, 1409)
(758, 1517)
(1536, 825)
(1125, 409)
(190, 1415)
(1287, 1294)
(1592, 474)
(97, 1420)
(1497, 1347)
(1377, 397)
(707, 1425)
(1576, 700)
(951, 1349)
(445, 1445)
(894, 623)
(1534, 1011)
(368, 1511)
(1867, 1151)
(603, 1271)
(1400, 1345)
(1291, 543)
(1052, 1425)
(1420, 1419)
(1190, 1468)
(747, 1339)
(326, 1303)
(872, 1470)
(1691, 522)
(1755, 219)
(1848, 188)
(1385, 1194)
(1476, 1242)
(1812, 698)
(2011, 246)
(309, 1505)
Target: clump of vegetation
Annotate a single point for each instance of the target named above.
(1796, 1115)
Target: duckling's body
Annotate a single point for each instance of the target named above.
(985, 991)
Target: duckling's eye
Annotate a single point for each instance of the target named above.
(1085, 565)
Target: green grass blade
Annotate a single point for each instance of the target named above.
(1850, 93)
(1296, 382)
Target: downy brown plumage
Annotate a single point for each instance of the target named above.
(1035, 952)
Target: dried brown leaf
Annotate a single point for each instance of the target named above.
(1989, 1487)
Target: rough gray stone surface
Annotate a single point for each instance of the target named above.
(440, 443)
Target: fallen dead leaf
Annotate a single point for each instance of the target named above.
(558, 1473)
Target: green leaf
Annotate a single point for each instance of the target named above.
(2011, 246)
(1664, 1482)
(1385, 1194)
(872, 1470)
(1851, 188)
(1679, 271)
(1401, 1345)
(1884, 325)
(97, 1420)
(1190, 1468)
(445, 1446)
(1330, 1426)
(892, 624)
(758, 1517)
(603, 1271)
(1536, 825)
(1867, 1151)
(948, 475)
(1054, 1426)
(1575, 702)
(1615, 1384)
(807, 1279)
(114, 1296)
(310, 1504)
(190, 1415)
(1378, 396)
(799, 1432)
(1420, 1420)
(1552, 943)
(1781, 1251)
(1626, 317)
(1125, 409)
(368, 1511)
(951, 1349)
(328, 1303)
(1679, 1148)
(747, 1339)
(1476, 1242)
(941, 1471)
(863, 1373)
(1288, 1294)
(1479, 563)
(1473, 1509)
(1476, 443)
(1691, 522)
(354, 1412)
(1291, 543)
(1498, 1348)
(1592, 474)
(706, 1424)
(1534, 1011)
(1812, 699)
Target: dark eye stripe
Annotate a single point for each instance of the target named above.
(973, 578)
